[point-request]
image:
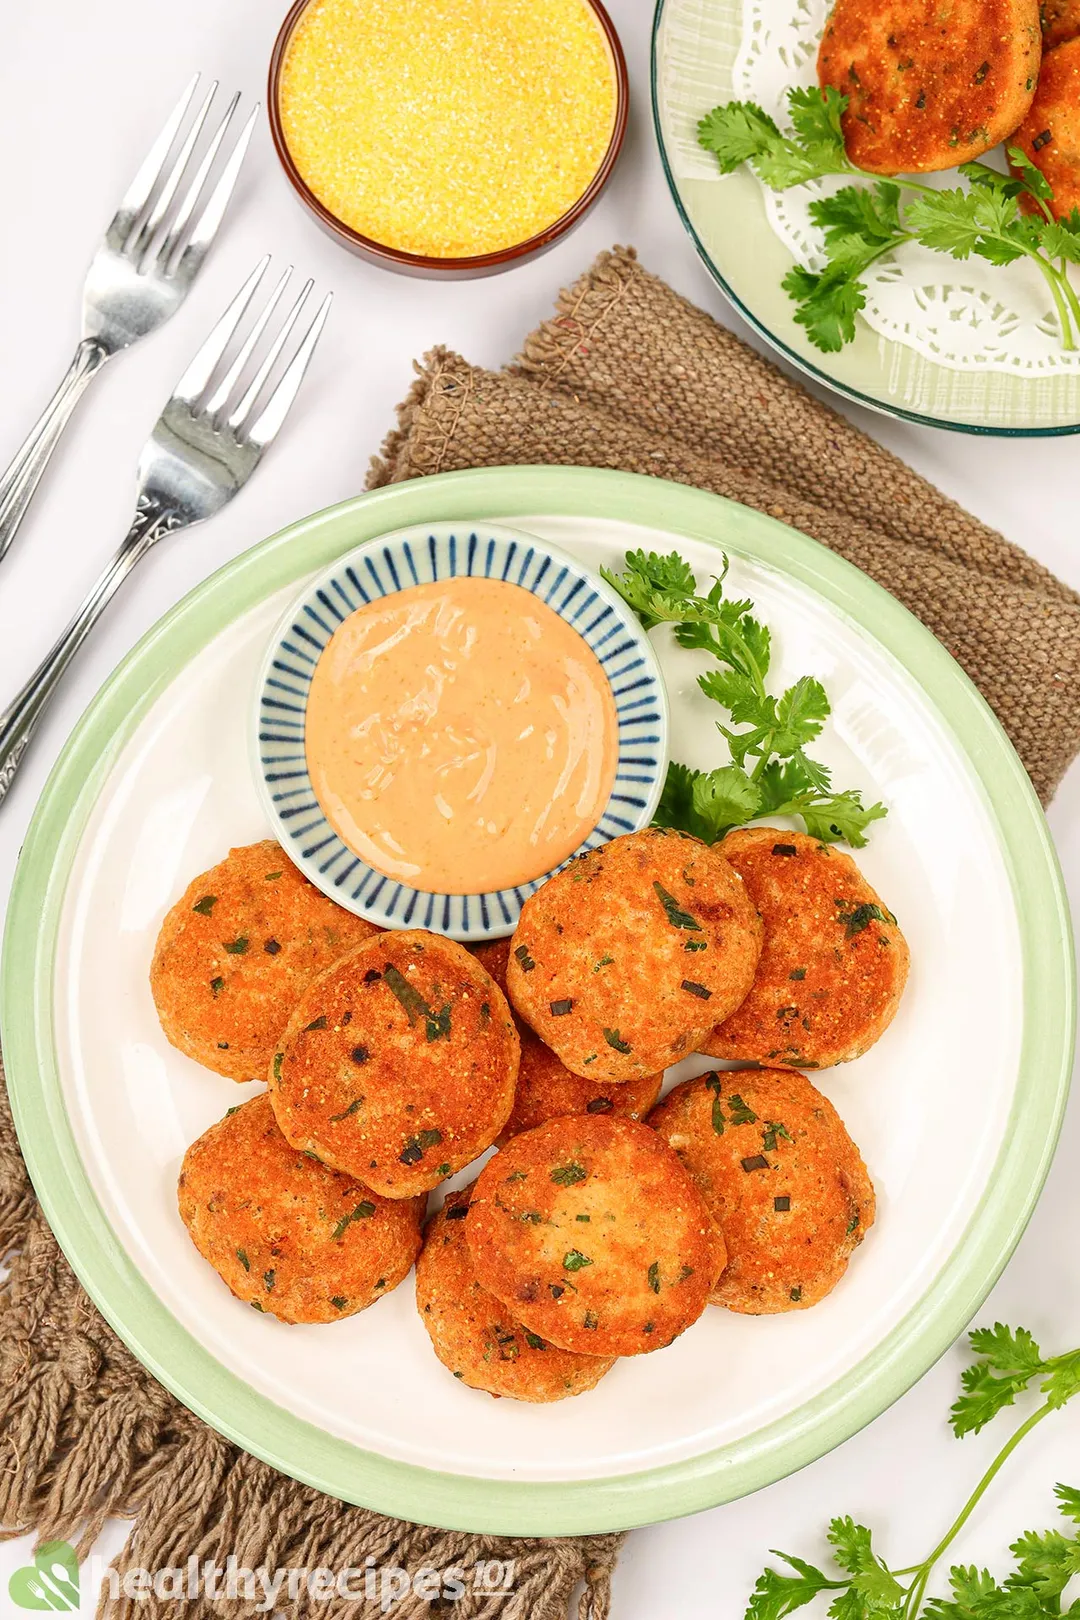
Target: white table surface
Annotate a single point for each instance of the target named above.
(82, 89)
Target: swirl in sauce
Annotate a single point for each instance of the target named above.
(460, 736)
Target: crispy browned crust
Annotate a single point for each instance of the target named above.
(930, 83)
(1060, 21)
(226, 977)
(473, 1334)
(592, 1234)
(399, 1064)
(834, 962)
(288, 1235)
(545, 1087)
(1050, 134)
(622, 961)
(787, 1185)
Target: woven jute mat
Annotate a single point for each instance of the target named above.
(626, 375)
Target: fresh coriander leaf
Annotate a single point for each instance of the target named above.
(869, 213)
(1064, 1380)
(848, 1605)
(776, 1595)
(985, 1395)
(851, 1544)
(738, 132)
(723, 799)
(815, 117)
(1058, 241)
(1068, 1502)
(735, 691)
(800, 713)
(781, 783)
(676, 806)
(1046, 1562)
(1033, 178)
(1007, 1349)
(828, 304)
(841, 816)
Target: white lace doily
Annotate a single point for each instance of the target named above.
(968, 314)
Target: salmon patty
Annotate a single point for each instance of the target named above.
(288, 1235)
(623, 961)
(398, 1065)
(782, 1179)
(834, 962)
(237, 951)
(1050, 134)
(473, 1334)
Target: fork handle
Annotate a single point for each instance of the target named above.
(20, 719)
(22, 476)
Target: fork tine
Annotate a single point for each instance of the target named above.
(219, 398)
(141, 188)
(243, 409)
(269, 420)
(191, 195)
(198, 374)
(210, 215)
(173, 178)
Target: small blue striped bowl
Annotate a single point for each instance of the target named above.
(392, 563)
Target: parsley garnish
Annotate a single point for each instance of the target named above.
(770, 773)
(864, 1587)
(863, 222)
(672, 910)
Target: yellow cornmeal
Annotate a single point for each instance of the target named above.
(448, 127)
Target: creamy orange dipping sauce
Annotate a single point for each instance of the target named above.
(460, 736)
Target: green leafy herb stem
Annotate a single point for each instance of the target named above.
(864, 1587)
(862, 222)
(770, 773)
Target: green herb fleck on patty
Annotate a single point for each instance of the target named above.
(216, 987)
(417, 1146)
(773, 1132)
(615, 1040)
(740, 1113)
(316, 1023)
(714, 1084)
(338, 1301)
(574, 1260)
(237, 947)
(269, 1278)
(206, 905)
(861, 917)
(362, 1212)
(654, 1276)
(522, 955)
(675, 915)
(353, 1108)
(534, 1341)
(243, 1259)
(567, 1175)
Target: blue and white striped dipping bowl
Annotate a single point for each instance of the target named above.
(392, 563)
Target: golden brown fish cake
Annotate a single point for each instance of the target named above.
(930, 83)
(592, 1234)
(399, 1063)
(237, 951)
(288, 1235)
(834, 962)
(472, 1332)
(623, 960)
(1060, 21)
(782, 1178)
(1050, 134)
(545, 1087)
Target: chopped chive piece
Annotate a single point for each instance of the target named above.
(698, 990)
(781, 1205)
(757, 1162)
(338, 1301)
(271, 947)
(417, 1146)
(559, 1009)
(796, 1295)
(353, 1108)
(216, 986)
(359, 1054)
(605, 961)
(279, 1058)
(235, 1109)
(316, 1023)
(654, 1276)
(457, 1212)
(237, 947)
(590, 1059)
(223, 1046)
(695, 945)
(784, 849)
(271, 877)
(556, 1291)
(361, 1213)
(573, 1260)
(599, 1105)
(675, 916)
(853, 1224)
(586, 1218)
(269, 1278)
(648, 1328)
(243, 1259)
(257, 1307)
(522, 954)
(797, 973)
(206, 905)
(590, 1321)
(615, 1040)
(534, 1341)
(372, 976)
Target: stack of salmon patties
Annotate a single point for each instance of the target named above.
(606, 1221)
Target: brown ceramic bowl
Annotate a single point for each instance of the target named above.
(418, 264)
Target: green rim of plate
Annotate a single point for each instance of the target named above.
(509, 1506)
(872, 401)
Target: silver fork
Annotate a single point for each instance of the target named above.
(200, 453)
(152, 252)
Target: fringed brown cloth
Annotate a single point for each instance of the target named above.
(627, 375)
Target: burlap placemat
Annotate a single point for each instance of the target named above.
(626, 375)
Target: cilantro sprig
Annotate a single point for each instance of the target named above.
(770, 773)
(864, 1587)
(863, 222)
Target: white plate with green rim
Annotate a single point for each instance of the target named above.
(696, 50)
(957, 1109)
